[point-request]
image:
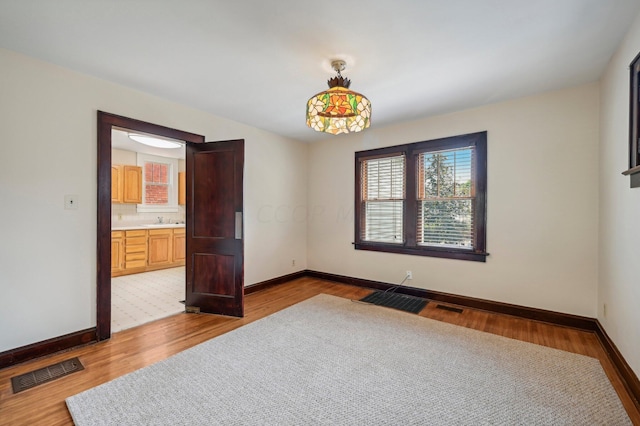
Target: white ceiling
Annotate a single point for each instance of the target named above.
(258, 61)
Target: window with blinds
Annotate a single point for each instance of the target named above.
(383, 192)
(445, 198)
(425, 198)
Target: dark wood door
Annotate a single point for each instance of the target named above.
(215, 267)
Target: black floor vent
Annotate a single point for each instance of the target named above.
(46, 374)
(449, 308)
(398, 301)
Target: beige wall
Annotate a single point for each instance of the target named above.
(119, 156)
(542, 204)
(48, 149)
(619, 280)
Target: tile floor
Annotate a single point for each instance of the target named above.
(140, 298)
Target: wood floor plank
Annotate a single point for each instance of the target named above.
(135, 348)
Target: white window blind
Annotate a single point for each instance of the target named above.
(446, 191)
(383, 194)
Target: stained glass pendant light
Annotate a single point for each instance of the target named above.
(338, 110)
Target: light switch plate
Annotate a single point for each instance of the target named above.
(71, 202)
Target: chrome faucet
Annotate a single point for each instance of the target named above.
(160, 219)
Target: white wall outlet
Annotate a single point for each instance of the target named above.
(71, 202)
(409, 275)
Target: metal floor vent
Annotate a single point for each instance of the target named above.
(46, 374)
(450, 308)
(398, 301)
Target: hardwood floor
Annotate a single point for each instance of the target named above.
(135, 348)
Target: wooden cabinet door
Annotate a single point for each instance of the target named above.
(117, 252)
(132, 183)
(160, 246)
(179, 245)
(116, 184)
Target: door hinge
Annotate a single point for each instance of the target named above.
(192, 309)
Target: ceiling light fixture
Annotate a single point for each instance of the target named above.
(338, 110)
(153, 141)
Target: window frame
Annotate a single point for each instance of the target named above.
(634, 123)
(411, 152)
(172, 205)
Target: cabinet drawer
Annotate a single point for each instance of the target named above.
(135, 256)
(117, 234)
(166, 231)
(178, 231)
(135, 249)
(136, 241)
(135, 264)
(136, 233)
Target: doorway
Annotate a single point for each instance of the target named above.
(148, 279)
(106, 123)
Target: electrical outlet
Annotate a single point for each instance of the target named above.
(409, 275)
(604, 310)
(293, 262)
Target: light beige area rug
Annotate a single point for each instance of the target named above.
(329, 361)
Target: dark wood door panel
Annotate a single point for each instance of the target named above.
(213, 274)
(214, 169)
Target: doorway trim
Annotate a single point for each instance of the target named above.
(106, 122)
